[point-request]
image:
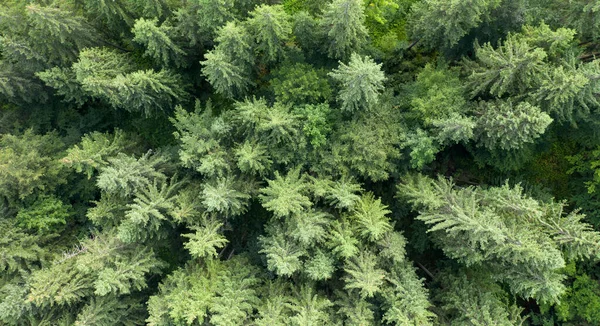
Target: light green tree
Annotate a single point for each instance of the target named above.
(361, 83)
(506, 126)
(158, 43)
(343, 21)
(270, 28)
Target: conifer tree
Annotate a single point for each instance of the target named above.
(487, 227)
(361, 80)
(343, 21)
(506, 126)
(28, 164)
(158, 43)
(444, 23)
(286, 195)
(514, 67)
(227, 67)
(56, 34)
(271, 28)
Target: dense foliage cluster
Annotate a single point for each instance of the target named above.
(299, 162)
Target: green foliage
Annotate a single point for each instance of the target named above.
(224, 292)
(28, 164)
(300, 84)
(270, 28)
(159, 45)
(283, 256)
(406, 300)
(471, 299)
(370, 216)
(286, 195)
(343, 21)
(252, 158)
(269, 202)
(56, 34)
(581, 301)
(309, 307)
(126, 174)
(317, 124)
(505, 126)
(363, 274)
(109, 76)
(481, 227)
(439, 23)
(223, 198)
(206, 239)
(436, 94)
(199, 135)
(108, 310)
(514, 67)
(361, 82)
(45, 215)
(94, 150)
(369, 144)
(100, 265)
(227, 67)
(19, 250)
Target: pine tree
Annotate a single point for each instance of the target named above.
(108, 310)
(309, 307)
(57, 34)
(471, 298)
(125, 175)
(514, 67)
(406, 299)
(94, 150)
(19, 250)
(436, 94)
(443, 23)
(283, 255)
(363, 274)
(361, 81)
(368, 145)
(271, 28)
(506, 126)
(110, 76)
(286, 195)
(199, 134)
(300, 84)
(343, 21)
(253, 158)
(28, 164)
(206, 239)
(227, 67)
(158, 43)
(47, 214)
(481, 227)
(223, 197)
(568, 91)
(370, 216)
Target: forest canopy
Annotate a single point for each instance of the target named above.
(299, 162)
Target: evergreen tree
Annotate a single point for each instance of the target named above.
(361, 80)
(487, 227)
(227, 67)
(505, 126)
(444, 23)
(159, 45)
(514, 67)
(270, 27)
(343, 21)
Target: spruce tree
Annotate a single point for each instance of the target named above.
(361, 82)
(343, 21)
